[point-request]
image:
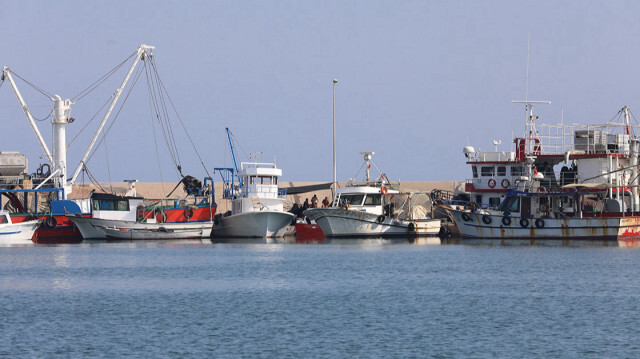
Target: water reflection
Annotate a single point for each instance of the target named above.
(545, 242)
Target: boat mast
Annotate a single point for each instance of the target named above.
(367, 159)
(61, 112)
(143, 51)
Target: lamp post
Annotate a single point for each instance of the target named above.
(335, 81)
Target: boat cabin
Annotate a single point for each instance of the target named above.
(368, 199)
(572, 201)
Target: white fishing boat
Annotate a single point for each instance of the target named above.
(594, 195)
(16, 233)
(257, 204)
(375, 209)
(136, 214)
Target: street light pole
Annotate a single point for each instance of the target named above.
(335, 81)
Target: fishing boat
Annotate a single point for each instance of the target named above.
(150, 219)
(16, 233)
(594, 195)
(375, 208)
(46, 193)
(137, 231)
(257, 203)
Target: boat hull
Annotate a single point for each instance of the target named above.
(154, 234)
(336, 222)
(97, 228)
(475, 225)
(52, 229)
(260, 224)
(18, 233)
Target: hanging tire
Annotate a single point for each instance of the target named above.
(412, 227)
(188, 213)
(380, 218)
(539, 223)
(51, 222)
(308, 220)
(161, 217)
(506, 221)
(486, 219)
(524, 223)
(466, 217)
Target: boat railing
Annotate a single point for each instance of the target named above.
(594, 138)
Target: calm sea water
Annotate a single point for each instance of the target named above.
(370, 298)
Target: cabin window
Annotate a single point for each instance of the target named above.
(373, 200)
(110, 205)
(3, 219)
(352, 199)
(123, 205)
(474, 169)
(265, 180)
(516, 171)
(502, 171)
(510, 204)
(494, 201)
(487, 171)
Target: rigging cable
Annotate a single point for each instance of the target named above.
(88, 122)
(162, 123)
(49, 96)
(180, 119)
(155, 141)
(101, 80)
(115, 118)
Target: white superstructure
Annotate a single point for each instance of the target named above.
(257, 206)
(374, 208)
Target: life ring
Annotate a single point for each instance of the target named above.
(161, 217)
(466, 217)
(542, 190)
(506, 221)
(380, 218)
(384, 190)
(412, 227)
(51, 221)
(505, 183)
(539, 223)
(524, 223)
(486, 219)
(188, 213)
(492, 183)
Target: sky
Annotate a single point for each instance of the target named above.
(417, 80)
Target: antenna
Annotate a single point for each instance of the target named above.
(530, 126)
(526, 87)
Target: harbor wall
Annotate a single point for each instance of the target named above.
(157, 190)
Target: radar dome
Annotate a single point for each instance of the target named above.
(467, 150)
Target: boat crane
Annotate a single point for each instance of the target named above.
(61, 118)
